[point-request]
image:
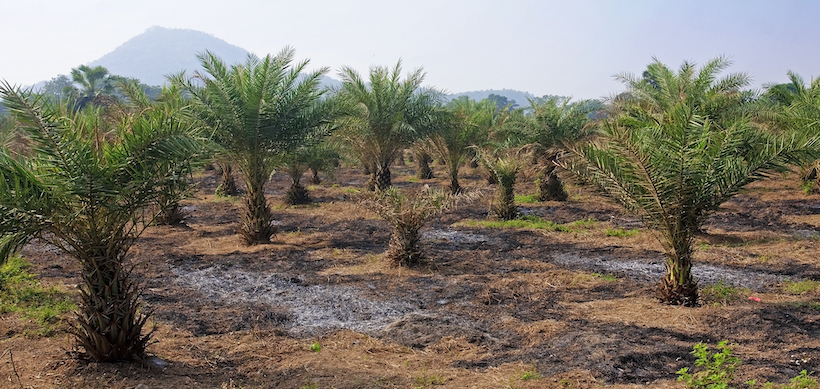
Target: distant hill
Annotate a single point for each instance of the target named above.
(160, 51)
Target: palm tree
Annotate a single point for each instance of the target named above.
(296, 163)
(177, 186)
(257, 111)
(467, 124)
(504, 163)
(676, 149)
(550, 126)
(95, 86)
(86, 189)
(407, 214)
(390, 114)
(796, 105)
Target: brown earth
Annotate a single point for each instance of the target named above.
(492, 307)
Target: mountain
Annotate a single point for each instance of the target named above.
(160, 51)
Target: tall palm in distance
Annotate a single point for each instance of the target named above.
(466, 123)
(548, 127)
(257, 111)
(388, 115)
(678, 145)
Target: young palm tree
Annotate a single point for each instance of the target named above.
(297, 162)
(796, 105)
(551, 125)
(467, 124)
(177, 186)
(257, 111)
(390, 114)
(407, 214)
(86, 189)
(504, 164)
(677, 148)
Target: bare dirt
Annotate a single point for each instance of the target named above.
(492, 306)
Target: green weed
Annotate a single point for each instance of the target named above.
(21, 293)
(351, 190)
(425, 380)
(583, 223)
(723, 293)
(800, 287)
(526, 199)
(716, 369)
(606, 277)
(315, 347)
(620, 232)
(530, 374)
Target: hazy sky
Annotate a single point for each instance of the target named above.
(569, 47)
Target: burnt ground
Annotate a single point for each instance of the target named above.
(491, 304)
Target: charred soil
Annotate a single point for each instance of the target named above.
(492, 308)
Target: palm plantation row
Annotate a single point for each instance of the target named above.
(89, 174)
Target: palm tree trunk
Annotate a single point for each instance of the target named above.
(110, 321)
(228, 185)
(383, 178)
(424, 159)
(504, 207)
(405, 247)
(257, 220)
(455, 188)
(315, 180)
(678, 286)
(297, 194)
(550, 187)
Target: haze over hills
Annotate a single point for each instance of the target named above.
(160, 51)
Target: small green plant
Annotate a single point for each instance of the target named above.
(802, 381)
(526, 199)
(800, 287)
(425, 380)
(526, 221)
(810, 305)
(620, 232)
(723, 293)
(717, 370)
(315, 347)
(309, 385)
(530, 374)
(606, 277)
(334, 186)
(351, 190)
(584, 223)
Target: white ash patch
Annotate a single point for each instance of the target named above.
(651, 270)
(453, 236)
(315, 308)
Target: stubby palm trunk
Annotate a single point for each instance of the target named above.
(504, 206)
(110, 321)
(228, 185)
(314, 179)
(405, 247)
(383, 178)
(455, 188)
(424, 159)
(678, 287)
(550, 187)
(257, 220)
(297, 194)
